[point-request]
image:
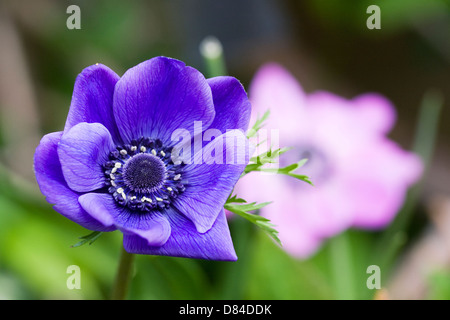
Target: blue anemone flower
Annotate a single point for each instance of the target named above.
(113, 167)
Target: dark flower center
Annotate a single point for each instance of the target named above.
(142, 176)
(144, 172)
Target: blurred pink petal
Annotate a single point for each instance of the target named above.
(275, 89)
(382, 174)
(360, 176)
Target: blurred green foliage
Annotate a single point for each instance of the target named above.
(397, 15)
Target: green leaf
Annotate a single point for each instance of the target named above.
(259, 123)
(264, 158)
(257, 163)
(269, 157)
(235, 199)
(88, 238)
(288, 170)
(241, 207)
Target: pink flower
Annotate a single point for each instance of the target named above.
(361, 177)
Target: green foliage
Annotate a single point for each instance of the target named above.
(271, 156)
(90, 238)
(257, 164)
(259, 123)
(242, 208)
(439, 285)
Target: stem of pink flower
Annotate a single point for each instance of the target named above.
(342, 267)
(212, 53)
(124, 276)
(395, 236)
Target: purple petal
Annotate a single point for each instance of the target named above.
(152, 228)
(185, 241)
(92, 99)
(52, 184)
(231, 103)
(83, 150)
(159, 96)
(209, 180)
(99, 206)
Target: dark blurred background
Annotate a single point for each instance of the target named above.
(324, 43)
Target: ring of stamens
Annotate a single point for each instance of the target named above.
(142, 176)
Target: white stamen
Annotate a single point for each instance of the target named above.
(154, 152)
(120, 190)
(114, 170)
(177, 177)
(112, 176)
(133, 198)
(159, 199)
(169, 188)
(133, 148)
(143, 199)
(123, 152)
(124, 196)
(113, 183)
(143, 149)
(163, 153)
(117, 165)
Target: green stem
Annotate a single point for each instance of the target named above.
(342, 268)
(124, 275)
(395, 236)
(212, 52)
